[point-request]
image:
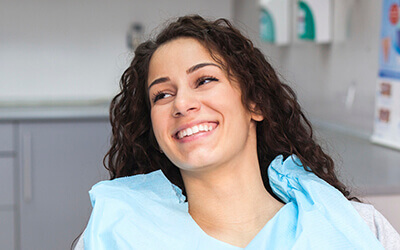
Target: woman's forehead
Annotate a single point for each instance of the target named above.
(177, 54)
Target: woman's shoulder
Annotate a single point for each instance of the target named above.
(378, 224)
(153, 185)
(79, 244)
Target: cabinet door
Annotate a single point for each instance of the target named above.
(6, 137)
(7, 230)
(6, 182)
(59, 162)
(7, 226)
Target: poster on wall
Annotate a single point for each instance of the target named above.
(387, 104)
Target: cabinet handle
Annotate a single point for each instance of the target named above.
(27, 167)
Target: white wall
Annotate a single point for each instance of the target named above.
(74, 49)
(322, 74)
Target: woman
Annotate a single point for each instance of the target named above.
(214, 145)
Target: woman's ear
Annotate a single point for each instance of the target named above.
(256, 114)
(257, 117)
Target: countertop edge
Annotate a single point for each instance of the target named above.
(54, 112)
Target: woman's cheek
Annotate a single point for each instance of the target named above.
(159, 123)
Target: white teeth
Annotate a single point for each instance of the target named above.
(194, 130)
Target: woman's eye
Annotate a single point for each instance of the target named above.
(205, 80)
(160, 95)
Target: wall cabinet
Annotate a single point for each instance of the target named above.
(46, 174)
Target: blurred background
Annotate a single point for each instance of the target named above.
(60, 64)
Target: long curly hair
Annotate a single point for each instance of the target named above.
(285, 129)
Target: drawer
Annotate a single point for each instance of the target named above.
(6, 181)
(6, 137)
(7, 227)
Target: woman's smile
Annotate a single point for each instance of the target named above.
(190, 132)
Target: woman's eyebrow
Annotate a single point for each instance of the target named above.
(189, 71)
(200, 65)
(159, 80)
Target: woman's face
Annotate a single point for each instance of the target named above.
(197, 114)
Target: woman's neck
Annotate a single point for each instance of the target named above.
(230, 203)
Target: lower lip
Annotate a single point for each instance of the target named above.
(196, 136)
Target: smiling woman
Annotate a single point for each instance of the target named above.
(194, 112)
(218, 155)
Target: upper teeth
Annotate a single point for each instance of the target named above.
(194, 130)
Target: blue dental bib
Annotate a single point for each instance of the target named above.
(147, 211)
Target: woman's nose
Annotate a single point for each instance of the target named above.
(185, 102)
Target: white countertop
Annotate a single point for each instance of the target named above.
(94, 110)
(367, 168)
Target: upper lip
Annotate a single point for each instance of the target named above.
(190, 124)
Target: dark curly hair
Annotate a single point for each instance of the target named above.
(284, 131)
